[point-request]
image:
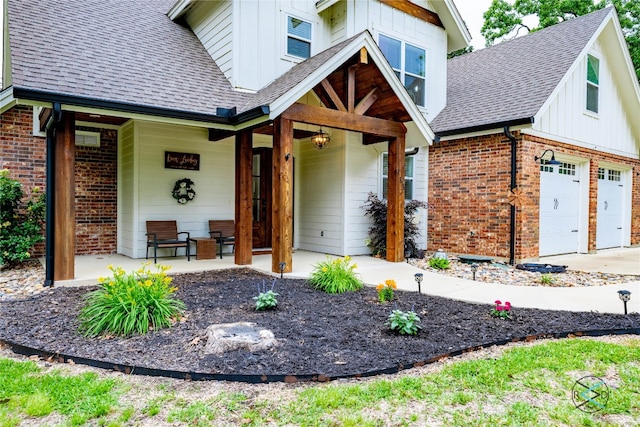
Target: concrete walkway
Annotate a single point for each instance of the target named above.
(373, 271)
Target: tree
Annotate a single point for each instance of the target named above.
(504, 20)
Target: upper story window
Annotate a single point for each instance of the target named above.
(409, 63)
(593, 83)
(408, 176)
(298, 37)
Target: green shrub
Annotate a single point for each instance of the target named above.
(335, 276)
(376, 209)
(439, 263)
(404, 322)
(547, 279)
(131, 303)
(20, 223)
(266, 299)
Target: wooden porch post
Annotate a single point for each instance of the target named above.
(282, 206)
(65, 208)
(243, 215)
(395, 200)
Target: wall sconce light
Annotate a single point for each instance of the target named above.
(625, 296)
(553, 160)
(418, 277)
(282, 266)
(320, 139)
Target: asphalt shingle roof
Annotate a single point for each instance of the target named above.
(511, 80)
(115, 51)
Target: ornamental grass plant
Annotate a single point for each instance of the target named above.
(133, 303)
(336, 276)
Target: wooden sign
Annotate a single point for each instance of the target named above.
(188, 161)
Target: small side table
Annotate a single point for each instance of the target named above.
(205, 247)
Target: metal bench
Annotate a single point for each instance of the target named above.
(164, 234)
(223, 231)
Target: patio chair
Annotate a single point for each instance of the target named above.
(223, 231)
(164, 234)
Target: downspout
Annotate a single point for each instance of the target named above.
(52, 123)
(512, 220)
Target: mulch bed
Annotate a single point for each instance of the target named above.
(332, 335)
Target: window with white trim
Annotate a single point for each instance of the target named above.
(593, 83)
(408, 176)
(410, 64)
(614, 175)
(87, 139)
(298, 37)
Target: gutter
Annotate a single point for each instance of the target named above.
(486, 126)
(51, 125)
(228, 116)
(512, 213)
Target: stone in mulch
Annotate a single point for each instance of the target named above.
(508, 275)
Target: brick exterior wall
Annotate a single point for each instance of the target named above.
(469, 180)
(24, 154)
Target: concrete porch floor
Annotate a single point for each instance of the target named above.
(374, 271)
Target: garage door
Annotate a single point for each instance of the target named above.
(559, 209)
(610, 209)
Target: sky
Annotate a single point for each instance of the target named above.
(471, 11)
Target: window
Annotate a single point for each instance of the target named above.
(593, 83)
(298, 37)
(600, 173)
(409, 63)
(567, 169)
(614, 175)
(87, 139)
(408, 176)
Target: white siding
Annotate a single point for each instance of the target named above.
(150, 192)
(212, 21)
(321, 196)
(363, 173)
(127, 189)
(567, 119)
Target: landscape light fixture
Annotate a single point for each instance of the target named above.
(418, 277)
(474, 269)
(553, 160)
(282, 267)
(320, 139)
(625, 296)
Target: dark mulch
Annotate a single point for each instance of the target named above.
(334, 335)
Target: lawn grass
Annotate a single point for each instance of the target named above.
(523, 385)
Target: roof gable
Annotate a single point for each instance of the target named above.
(511, 81)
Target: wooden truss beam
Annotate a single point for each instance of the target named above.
(319, 116)
(413, 9)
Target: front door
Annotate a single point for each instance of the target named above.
(262, 158)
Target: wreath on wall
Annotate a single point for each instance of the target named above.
(182, 191)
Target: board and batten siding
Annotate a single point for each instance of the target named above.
(146, 194)
(212, 23)
(566, 116)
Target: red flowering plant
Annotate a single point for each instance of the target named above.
(502, 311)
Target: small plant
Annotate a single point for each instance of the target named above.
(439, 263)
(385, 290)
(131, 303)
(547, 279)
(404, 322)
(502, 311)
(20, 222)
(336, 276)
(266, 299)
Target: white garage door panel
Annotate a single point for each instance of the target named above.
(610, 210)
(559, 211)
